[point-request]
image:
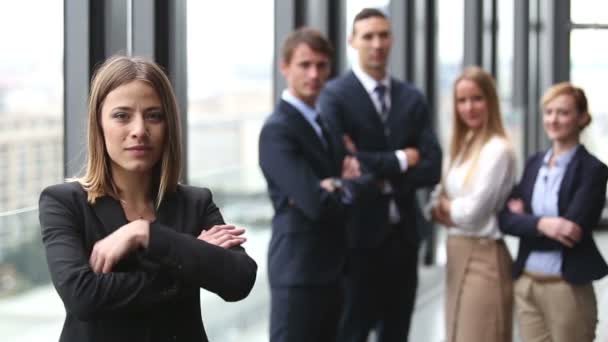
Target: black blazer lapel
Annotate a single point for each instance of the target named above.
(365, 104)
(110, 213)
(528, 182)
(298, 123)
(167, 213)
(569, 179)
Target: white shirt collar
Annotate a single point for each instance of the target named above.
(368, 82)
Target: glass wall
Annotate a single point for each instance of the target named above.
(31, 156)
(352, 8)
(230, 71)
(513, 119)
(229, 92)
(450, 41)
(589, 68)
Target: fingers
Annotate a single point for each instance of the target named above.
(349, 144)
(574, 232)
(351, 168)
(225, 236)
(99, 262)
(565, 241)
(233, 242)
(515, 206)
(215, 230)
(327, 185)
(412, 155)
(93, 260)
(107, 266)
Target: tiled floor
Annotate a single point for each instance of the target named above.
(38, 314)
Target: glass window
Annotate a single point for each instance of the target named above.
(31, 112)
(589, 12)
(352, 8)
(450, 41)
(589, 69)
(230, 94)
(512, 118)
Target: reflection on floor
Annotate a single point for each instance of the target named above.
(38, 314)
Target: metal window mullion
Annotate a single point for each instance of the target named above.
(76, 71)
(140, 32)
(473, 29)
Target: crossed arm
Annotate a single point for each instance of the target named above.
(581, 215)
(422, 160)
(179, 260)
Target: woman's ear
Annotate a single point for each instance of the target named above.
(584, 120)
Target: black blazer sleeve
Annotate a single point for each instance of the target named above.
(230, 273)
(181, 261)
(522, 225)
(587, 203)
(384, 164)
(284, 167)
(584, 206)
(428, 170)
(380, 163)
(86, 294)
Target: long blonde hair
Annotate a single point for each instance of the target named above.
(467, 144)
(113, 73)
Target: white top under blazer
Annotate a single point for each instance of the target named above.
(474, 206)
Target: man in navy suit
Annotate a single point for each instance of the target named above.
(310, 182)
(385, 123)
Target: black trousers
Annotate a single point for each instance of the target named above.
(380, 290)
(305, 313)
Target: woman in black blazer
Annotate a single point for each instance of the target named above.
(553, 210)
(128, 247)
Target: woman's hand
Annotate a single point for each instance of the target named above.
(111, 249)
(441, 212)
(226, 236)
(516, 206)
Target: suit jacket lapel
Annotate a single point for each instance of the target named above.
(167, 213)
(395, 130)
(297, 121)
(366, 106)
(569, 178)
(110, 213)
(528, 182)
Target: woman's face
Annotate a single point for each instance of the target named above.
(471, 104)
(561, 120)
(133, 125)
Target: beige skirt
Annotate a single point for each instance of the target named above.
(479, 293)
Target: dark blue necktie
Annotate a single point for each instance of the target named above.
(380, 91)
(324, 132)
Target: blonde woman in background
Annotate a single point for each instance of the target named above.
(479, 176)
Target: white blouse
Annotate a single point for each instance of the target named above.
(474, 206)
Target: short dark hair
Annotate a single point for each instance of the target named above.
(367, 13)
(309, 36)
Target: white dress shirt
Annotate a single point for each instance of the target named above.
(474, 206)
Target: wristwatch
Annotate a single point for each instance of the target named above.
(337, 183)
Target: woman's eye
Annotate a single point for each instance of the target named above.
(156, 116)
(120, 115)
